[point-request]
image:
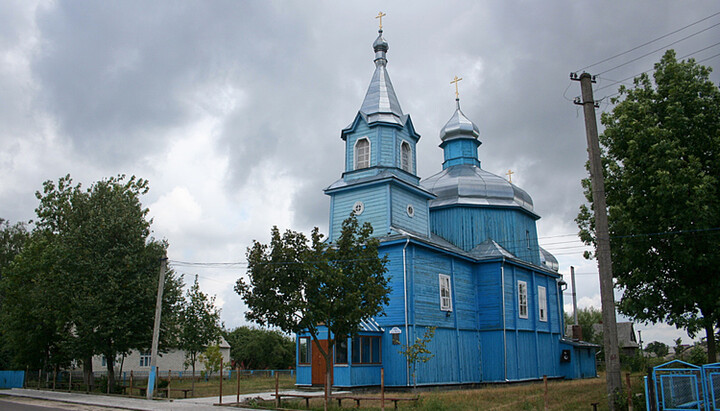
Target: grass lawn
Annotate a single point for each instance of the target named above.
(562, 395)
(247, 385)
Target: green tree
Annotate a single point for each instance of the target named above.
(212, 359)
(12, 240)
(661, 155)
(658, 348)
(258, 348)
(418, 352)
(88, 275)
(297, 285)
(199, 325)
(587, 317)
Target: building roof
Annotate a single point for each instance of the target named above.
(459, 126)
(467, 184)
(381, 103)
(625, 332)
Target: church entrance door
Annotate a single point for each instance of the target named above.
(318, 365)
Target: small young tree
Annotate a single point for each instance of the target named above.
(418, 352)
(212, 359)
(297, 285)
(658, 348)
(199, 325)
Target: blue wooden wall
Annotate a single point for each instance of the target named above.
(376, 200)
(466, 227)
(478, 341)
(385, 142)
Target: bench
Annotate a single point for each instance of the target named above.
(306, 397)
(167, 391)
(358, 399)
(141, 390)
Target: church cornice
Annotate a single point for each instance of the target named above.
(377, 180)
(459, 253)
(445, 204)
(376, 121)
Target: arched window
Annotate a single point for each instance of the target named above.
(362, 153)
(405, 156)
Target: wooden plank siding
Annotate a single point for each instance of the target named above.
(375, 199)
(400, 199)
(472, 344)
(467, 227)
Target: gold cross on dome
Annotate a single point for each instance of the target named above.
(457, 94)
(380, 16)
(509, 174)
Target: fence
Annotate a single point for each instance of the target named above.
(677, 385)
(63, 378)
(12, 379)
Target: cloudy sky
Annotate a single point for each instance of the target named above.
(233, 109)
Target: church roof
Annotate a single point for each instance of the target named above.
(381, 103)
(467, 184)
(548, 260)
(490, 249)
(459, 126)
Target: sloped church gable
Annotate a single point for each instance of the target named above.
(463, 257)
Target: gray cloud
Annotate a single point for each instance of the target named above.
(97, 88)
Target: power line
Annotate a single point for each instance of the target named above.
(649, 42)
(614, 82)
(656, 50)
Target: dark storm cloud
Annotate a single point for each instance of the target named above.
(117, 75)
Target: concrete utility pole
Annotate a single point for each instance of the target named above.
(602, 238)
(156, 329)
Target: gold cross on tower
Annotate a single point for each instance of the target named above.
(380, 16)
(509, 174)
(457, 94)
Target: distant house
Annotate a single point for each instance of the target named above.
(173, 360)
(627, 342)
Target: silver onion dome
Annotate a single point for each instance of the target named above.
(459, 126)
(467, 184)
(380, 43)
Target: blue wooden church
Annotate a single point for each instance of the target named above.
(463, 257)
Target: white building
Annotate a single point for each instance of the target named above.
(173, 360)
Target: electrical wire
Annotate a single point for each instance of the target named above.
(649, 42)
(660, 49)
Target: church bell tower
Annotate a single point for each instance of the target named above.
(380, 183)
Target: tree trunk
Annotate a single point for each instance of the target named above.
(88, 377)
(110, 360)
(192, 384)
(328, 382)
(710, 334)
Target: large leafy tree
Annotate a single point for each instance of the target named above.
(297, 284)
(199, 325)
(661, 153)
(88, 275)
(12, 241)
(258, 348)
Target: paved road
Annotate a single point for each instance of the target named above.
(31, 404)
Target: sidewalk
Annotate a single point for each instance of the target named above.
(201, 404)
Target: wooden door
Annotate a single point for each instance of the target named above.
(318, 364)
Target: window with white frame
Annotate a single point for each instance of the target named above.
(445, 293)
(542, 303)
(522, 299)
(362, 153)
(405, 156)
